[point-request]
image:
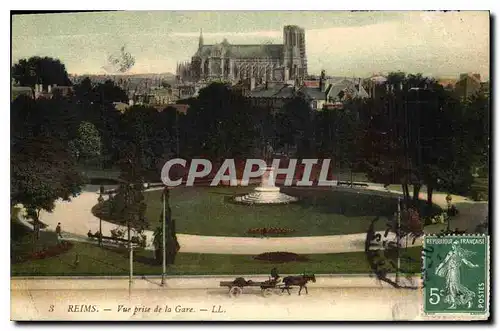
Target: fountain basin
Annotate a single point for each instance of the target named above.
(266, 193)
(266, 198)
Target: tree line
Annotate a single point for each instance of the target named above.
(412, 132)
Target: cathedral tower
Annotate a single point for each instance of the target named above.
(200, 42)
(294, 52)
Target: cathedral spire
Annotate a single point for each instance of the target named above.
(200, 43)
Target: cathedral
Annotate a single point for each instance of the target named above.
(263, 62)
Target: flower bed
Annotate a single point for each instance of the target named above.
(269, 231)
(281, 257)
(47, 252)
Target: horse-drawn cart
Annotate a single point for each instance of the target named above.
(273, 285)
(267, 287)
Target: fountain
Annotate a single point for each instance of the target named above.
(266, 193)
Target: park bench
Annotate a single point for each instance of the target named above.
(339, 183)
(134, 239)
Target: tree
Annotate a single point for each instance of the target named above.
(476, 129)
(84, 91)
(152, 132)
(42, 167)
(40, 70)
(325, 125)
(87, 145)
(220, 123)
(42, 171)
(172, 244)
(419, 134)
(384, 141)
(108, 92)
(128, 205)
(297, 126)
(347, 135)
(57, 118)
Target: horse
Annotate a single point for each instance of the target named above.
(297, 281)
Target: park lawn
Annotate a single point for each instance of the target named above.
(210, 211)
(96, 261)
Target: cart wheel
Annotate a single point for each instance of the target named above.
(278, 291)
(267, 292)
(235, 291)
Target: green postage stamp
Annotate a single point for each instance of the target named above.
(455, 274)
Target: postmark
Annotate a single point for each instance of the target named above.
(387, 254)
(456, 274)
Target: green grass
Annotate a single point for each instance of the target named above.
(95, 261)
(209, 211)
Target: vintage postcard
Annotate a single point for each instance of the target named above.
(250, 166)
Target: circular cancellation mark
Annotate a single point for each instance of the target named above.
(387, 254)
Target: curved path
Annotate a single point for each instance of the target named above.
(77, 219)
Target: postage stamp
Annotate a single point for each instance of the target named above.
(455, 274)
(249, 165)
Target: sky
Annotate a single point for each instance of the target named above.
(360, 44)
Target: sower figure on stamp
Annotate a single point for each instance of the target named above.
(455, 293)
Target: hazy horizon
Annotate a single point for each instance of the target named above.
(438, 44)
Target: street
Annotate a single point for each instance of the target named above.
(212, 304)
(339, 297)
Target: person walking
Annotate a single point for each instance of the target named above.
(58, 231)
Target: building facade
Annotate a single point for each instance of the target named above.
(264, 62)
(468, 85)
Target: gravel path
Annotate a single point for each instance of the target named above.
(76, 219)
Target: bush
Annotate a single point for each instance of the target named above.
(140, 239)
(441, 218)
(281, 257)
(117, 233)
(271, 230)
